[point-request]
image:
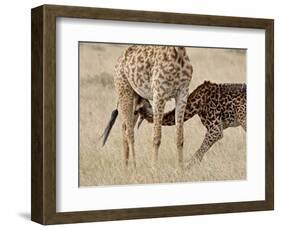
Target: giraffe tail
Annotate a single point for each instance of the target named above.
(109, 126)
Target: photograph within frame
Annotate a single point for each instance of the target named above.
(100, 165)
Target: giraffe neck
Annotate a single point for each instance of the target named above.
(192, 108)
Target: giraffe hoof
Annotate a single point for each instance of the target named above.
(193, 161)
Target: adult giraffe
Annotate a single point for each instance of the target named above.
(157, 73)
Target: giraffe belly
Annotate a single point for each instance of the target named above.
(142, 89)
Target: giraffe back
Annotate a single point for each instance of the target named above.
(163, 68)
(223, 103)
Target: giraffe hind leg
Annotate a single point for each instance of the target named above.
(181, 101)
(125, 144)
(243, 124)
(158, 111)
(126, 107)
(242, 115)
(242, 120)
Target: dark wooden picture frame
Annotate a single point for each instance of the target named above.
(43, 160)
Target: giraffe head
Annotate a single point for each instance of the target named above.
(144, 109)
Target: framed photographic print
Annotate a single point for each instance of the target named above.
(140, 114)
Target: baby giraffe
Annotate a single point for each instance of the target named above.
(219, 106)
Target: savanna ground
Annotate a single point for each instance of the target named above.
(226, 160)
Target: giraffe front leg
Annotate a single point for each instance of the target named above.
(158, 111)
(126, 107)
(181, 101)
(213, 134)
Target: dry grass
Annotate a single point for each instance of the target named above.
(226, 160)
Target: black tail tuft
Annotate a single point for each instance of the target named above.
(108, 128)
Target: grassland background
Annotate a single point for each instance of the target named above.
(226, 160)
